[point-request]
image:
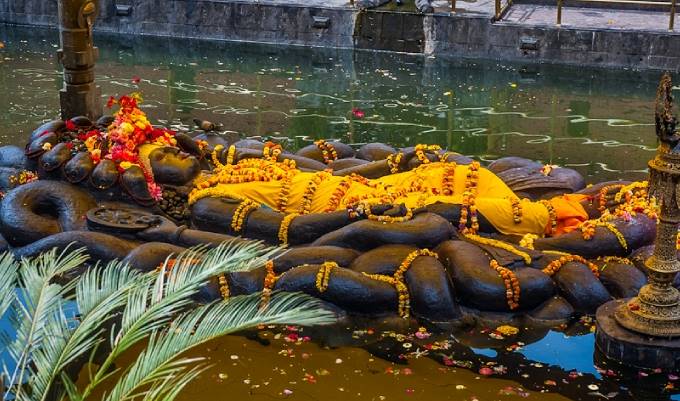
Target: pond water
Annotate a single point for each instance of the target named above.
(597, 121)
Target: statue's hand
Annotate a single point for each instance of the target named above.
(163, 231)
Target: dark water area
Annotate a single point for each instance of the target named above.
(597, 121)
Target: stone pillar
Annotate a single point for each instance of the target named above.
(80, 96)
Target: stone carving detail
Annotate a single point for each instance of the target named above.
(656, 309)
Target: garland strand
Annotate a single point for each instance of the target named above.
(510, 281)
(323, 276)
(283, 229)
(499, 244)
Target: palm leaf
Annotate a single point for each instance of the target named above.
(159, 363)
(153, 303)
(40, 301)
(100, 292)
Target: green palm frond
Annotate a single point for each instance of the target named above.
(100, 293)
(8, 272)
(119, 307)
(40, 300)
(151, 305)
(159, 362)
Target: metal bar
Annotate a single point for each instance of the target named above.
(559, 12)
(498, 10)
(671, 23)
(453, 6)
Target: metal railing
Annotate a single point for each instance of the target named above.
(671, 4)
(501, 9)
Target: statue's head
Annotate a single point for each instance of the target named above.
(171, 166)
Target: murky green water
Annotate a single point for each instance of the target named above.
(595, 120)
(599, 122)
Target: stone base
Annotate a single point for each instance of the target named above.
(633, 349)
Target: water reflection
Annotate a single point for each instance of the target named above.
(597, 121)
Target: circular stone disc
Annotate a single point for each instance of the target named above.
(119, 220)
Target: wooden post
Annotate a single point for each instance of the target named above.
(80, 96)
(671, 23)
(559, 12)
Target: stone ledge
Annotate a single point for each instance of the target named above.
(634, 349)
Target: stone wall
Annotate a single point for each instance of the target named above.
(442, 35)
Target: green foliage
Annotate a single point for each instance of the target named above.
(119, 307)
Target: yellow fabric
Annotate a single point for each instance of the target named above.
(493, 199)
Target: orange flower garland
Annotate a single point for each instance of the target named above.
(468, 206)
(271, 151)
(399, 283)
(422, 148)
(327, 151)
(516, 210)
(283, 229)
(312, 186)
(338, 194)
(387, 219)
(282, 201)
(448, 180)
(501, 245)
(269, 282)
(393, 161)
(224, 286)
(554, 266)
(324, 275)
(215, 158)
(511, 283)
(552, 216)
(241, 213)
(231, 154)
(602, 197)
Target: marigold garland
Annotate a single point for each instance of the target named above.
(512, 289)
(393, 161)
(312, 186)
(388, 219)
(552, 216)
(241, 213)
(468, 206)
(282, 200)
(270, 279)
(588, 229)
(612, 228)
(516, 210)
(554, 266)
(527, 241)
(215, 158)
(327, 151)
(499, 244)
(283, 229)
(224, 286)
(271, 151)
(338, 195)
(448, 179)
(615, 259)
(231, 153)
(602, 196)
(23, 177)
(422, 148)
(323, 276)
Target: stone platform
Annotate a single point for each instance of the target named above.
(636, 39)
(633, 349)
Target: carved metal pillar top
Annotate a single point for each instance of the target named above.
(656, 309)
(79, 96)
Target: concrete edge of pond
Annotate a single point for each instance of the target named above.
(460, 35)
